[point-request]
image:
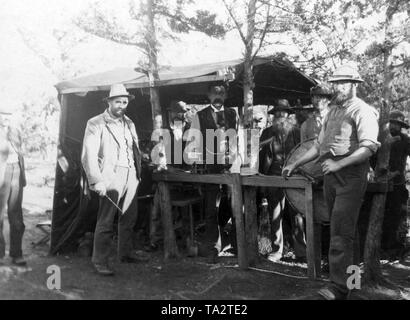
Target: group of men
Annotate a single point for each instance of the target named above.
(277, 142)
(346, 133)
(345, 130)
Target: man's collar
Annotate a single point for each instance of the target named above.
(108, 117)
(216, 110)
(347, 103)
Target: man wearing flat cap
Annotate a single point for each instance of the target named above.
(112, 162)
(392, 243)
(283, 136)
(321, 96)
(347, 140)
(12, 182)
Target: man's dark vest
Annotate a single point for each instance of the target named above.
(273, 155)
(206, 121)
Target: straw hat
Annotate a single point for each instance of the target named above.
(346, 73)
(118, 90)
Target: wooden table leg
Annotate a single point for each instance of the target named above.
(237, 210)
(164, 198)
(318, 248)
(251, 224)
(310, 233)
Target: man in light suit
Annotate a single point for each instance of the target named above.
(112, 162)
(12, 182)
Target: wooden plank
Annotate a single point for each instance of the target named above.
(310, 233)
(193, 178)
(257, 180)
(146, 84)
(237, 210)
(274, 181)
(251, 224)
(318, 247)
(170, 245)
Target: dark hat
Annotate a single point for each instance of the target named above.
(216, 89)
(321, 90)
(178, 107)
(281, 105)
(309, 107)
(398, 117)
(118, 90)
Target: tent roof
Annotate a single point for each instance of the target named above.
(168, 75)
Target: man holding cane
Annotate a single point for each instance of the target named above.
(112, 162)
(347, 140)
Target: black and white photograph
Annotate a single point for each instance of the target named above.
(211, 156)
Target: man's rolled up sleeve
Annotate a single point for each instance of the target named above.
(368, 128)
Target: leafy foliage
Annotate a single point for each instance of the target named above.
(170, 19)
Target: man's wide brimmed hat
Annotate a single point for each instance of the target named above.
(308, 107)
(282, 105)
(178, 107)
(398, 117)
(216, 89)
(346, 73)
(118, 90)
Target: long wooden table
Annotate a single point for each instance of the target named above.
(244, 208)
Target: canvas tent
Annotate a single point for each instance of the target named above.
(74, 211)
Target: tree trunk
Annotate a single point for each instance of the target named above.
(248, 157)
(373, 275)
(153, 73)
(248, 81)
(248, 85)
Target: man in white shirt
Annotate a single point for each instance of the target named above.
(12, 182)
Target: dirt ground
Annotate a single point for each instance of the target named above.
(182, 279)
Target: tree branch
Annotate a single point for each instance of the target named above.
(401, 66)
(235, 21)
(262, 39)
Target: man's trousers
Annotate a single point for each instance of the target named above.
(122, 191)
(344, 203)
(394, 215)
(11, 198)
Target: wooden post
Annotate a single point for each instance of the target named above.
(318, 247)
(170, 245)
(251, 224)
(310, 232)
(58, 175)
(237, 210)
